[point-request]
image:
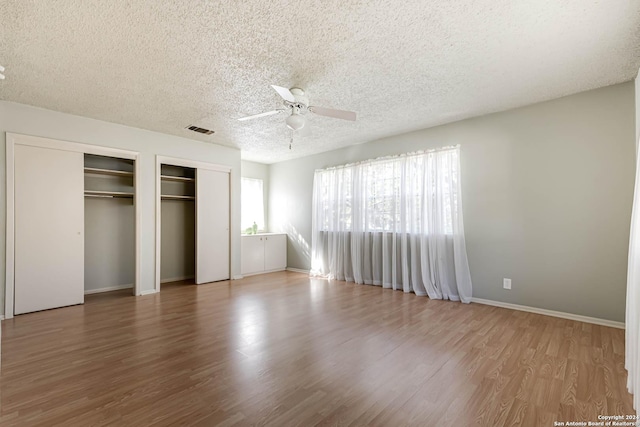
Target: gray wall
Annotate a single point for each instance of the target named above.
(178, 242)
(637, 86)
(178, 227)
(259, 171)
(547, 195)
(109, 243)
(24, 119)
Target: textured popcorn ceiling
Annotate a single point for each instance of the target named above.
(401, 65)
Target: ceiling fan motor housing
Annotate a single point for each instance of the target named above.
(301, 105)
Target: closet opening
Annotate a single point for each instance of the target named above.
(109, 215)
(192, 222)
(178, 225)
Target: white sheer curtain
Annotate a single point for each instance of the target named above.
(632, 326)
(394, 222)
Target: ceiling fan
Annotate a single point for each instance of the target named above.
(297, 104)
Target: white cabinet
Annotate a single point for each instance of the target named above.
(262, 253)
(275, 252)
(252, 254)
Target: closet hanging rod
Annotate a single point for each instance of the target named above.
(95, 193)
(176, 178)
(113, 172)
(96, 196)
(175, 197)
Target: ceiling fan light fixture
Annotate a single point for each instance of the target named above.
(296, 121)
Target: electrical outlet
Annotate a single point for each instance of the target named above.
(506, 283)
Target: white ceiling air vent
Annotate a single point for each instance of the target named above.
(200, 130)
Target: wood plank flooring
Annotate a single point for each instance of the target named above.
(282, 350)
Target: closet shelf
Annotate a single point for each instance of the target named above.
(112, 172)
(95, 193)
(176, 197)
(176, 178)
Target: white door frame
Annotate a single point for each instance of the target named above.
(185, 163)
(13, 139)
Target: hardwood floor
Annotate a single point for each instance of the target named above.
(281, 349)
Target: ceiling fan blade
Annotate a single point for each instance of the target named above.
(336, 114)
(284, 93)
(256, 116)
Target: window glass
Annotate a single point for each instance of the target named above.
(252, 204)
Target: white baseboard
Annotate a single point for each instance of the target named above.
(552, 313)
(108, 289)
(177, 279)
(1, 318)
(238, 277)
(297, 270)
(148, 292)
(262, 272)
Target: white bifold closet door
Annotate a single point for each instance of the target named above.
(212, 226)
(49, 228)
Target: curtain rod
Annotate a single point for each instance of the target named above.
(393, 156)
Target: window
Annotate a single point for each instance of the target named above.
(414, 193)
(252, 204)
(395, 222)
